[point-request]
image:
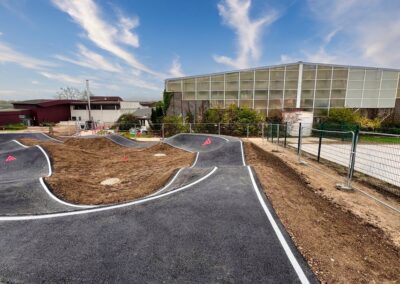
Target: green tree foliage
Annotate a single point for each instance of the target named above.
(343, 115)
(160, 111)
(157, 113)
(174, 124)
(167, 96)
(348, 119)
(235, 120)
(127, 121)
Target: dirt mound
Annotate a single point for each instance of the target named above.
(80, 165)
(93, 144)
(339, 246)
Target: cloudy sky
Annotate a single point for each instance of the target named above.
(128, 48)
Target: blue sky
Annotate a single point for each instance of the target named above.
(128, 48)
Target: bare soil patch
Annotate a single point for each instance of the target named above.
(80, 165)
(340, 246)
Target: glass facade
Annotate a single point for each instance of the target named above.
(312, 87)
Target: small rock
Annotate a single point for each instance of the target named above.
(110, 181)
(159, 155)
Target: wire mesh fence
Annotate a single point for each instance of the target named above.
(371, 154)
(373, 157)
(378, 155)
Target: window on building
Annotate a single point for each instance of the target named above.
(80, 107)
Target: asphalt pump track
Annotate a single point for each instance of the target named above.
(210, 223)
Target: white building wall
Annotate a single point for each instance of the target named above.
(108, 115)
(98, 115)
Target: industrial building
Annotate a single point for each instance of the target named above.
(103, 109)
(302, 86)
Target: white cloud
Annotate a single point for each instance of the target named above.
(9, 54)
(63, 78)
(34, 82)
(236, 15)
(90, 59)
(106, 36)
(126, 35)
(1, 33)
(369, 28)
(176, 68)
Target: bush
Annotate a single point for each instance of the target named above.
(343, 115)
(235, 120)
(126, 122)
(14, 126)
(174, 124)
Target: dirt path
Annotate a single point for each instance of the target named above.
(80, 165)
(339, 246)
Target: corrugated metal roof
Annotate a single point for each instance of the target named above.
(279, 65)
(143, 112)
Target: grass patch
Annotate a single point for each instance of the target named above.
(14, 126)
(379, 139)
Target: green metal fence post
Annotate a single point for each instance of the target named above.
(284, 143)
(299, 139)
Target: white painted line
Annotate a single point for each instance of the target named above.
(195, 161)
(19, 143)
(241, 146)
(102, 208)
(168, 184)
(47, 158)
(286, 248)
(59, 200)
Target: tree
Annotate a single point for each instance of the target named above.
(70, 93)
(160, 111)
(174, 124)
(127, 121)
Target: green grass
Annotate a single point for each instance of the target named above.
(15, 126)
(379, 139)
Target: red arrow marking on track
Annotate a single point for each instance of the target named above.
(206, 142)
(10, 159)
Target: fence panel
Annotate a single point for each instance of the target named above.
(378, 155)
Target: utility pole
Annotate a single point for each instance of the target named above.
(88, 98)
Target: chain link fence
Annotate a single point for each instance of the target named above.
(348, 150)
(370, 156)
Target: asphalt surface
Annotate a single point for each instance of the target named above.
(21, 185)
(4, 137)
(120, 140)
(219, 228)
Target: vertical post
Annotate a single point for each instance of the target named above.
(299, 144)
(262, 131)
(190, 127)
(353, 155)
(162, 131)
(89, 107)
(284, 143)
(299, 139)
(272, 133)
(219, 128)
(277, 133)
(247, 131)
(319, 145)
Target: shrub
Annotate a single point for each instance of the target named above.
(14, 126)
(126, 122)
(343, 115)
(174, 124)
